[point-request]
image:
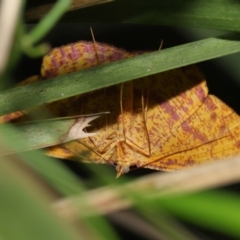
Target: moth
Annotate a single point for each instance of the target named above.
(166, 121)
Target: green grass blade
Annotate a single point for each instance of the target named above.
(55, 173)
(68, 184)
(216, 14)
(24, 211)
(46, 23)
(167, 225)
(58, 176)
(214, 210)
(45, 133)
(117, 72)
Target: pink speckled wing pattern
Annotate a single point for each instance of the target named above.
(78, 56)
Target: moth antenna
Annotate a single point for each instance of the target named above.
(92, 34)
(95, 45)
(121, 108)
(144, 112)
(161, 44)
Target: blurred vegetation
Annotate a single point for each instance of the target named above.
(41, 198)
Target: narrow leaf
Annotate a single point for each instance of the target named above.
(88, 80)
(25, 213)
(40, 134)
(48, 21)
(213, 210)
(216, 14)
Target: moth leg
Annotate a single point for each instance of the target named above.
(101, 154)
(110, 148)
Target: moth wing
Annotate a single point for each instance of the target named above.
(211, 133)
